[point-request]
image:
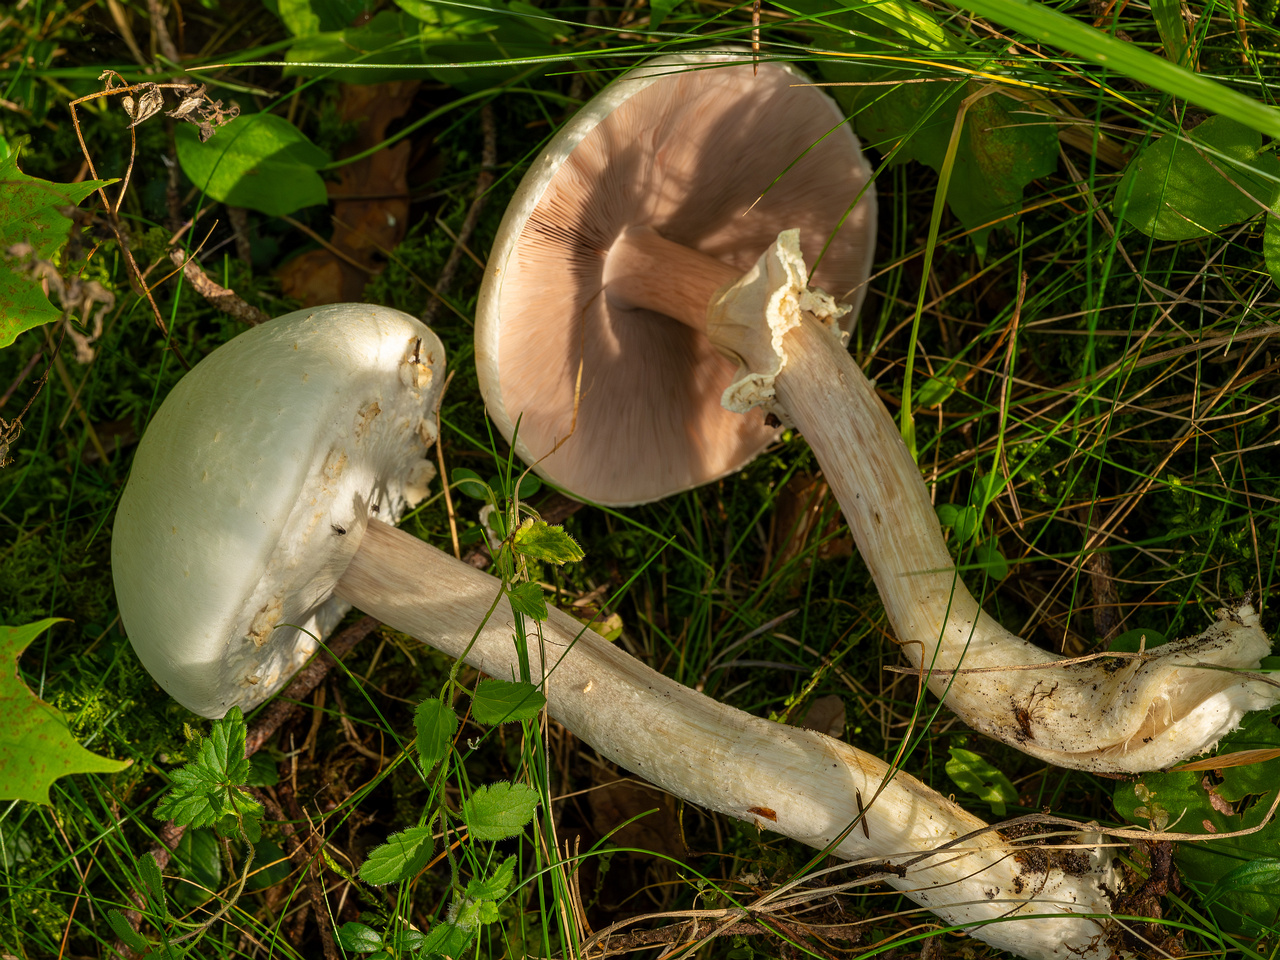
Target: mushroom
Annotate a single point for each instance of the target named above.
(249, 518)
(604, 322)
(272, 424)
(693, 156)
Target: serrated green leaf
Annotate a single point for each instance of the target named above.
(446, 940)
(259, 160)
(36, 748)
(971, 773)
(495, 886)
(402, 856)
(153, 884)
(358, 938)
(1178, 189)
(468, 483)
(436, 725)
(207, 791)
(498, 811)
(527, 599)
(541, 541)
(129, 936)
(1271, 245)
(504, 701)
(30, 217)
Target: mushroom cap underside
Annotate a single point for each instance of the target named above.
(252, 487)
(713, 158)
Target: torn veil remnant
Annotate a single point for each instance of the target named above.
(250, 508)
(617, 403)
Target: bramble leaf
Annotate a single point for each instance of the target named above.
(358, 938)
(36, 748)
(527, 599)
(497, 811)
(504, 701)
(495, 886)
(541, 541)
(402, 856)
(207, 790)
(436, 724)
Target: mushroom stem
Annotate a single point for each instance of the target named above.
(1111, 715)
(644, 269)
(782, 778)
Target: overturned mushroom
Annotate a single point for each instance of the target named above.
(625, 281)
(694, 153)
(224, 454)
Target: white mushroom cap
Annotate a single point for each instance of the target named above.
(253, 500)
(713, 158)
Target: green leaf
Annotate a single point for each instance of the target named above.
(527, 599)
(358, 938)
(987, 556)
(963, 521)
(1000, 149)
(468, 483)
(259, 161)
(1172, 28)
(498, 811)
(504, 701)
(207, 790)
(1242, 903)
(31, 220)
(128, 936)
(935, 390)
(446, 940)
(971, 773)
(495, 886)
(270, 866)
(1271, 245)
(436, 724)
(541, 541)
(153, 884)
(402, 856)
(659, 10)
(1178, 189)
(36, 747)
(1044, 24)
(198, 858)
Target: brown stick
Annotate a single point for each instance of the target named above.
(221, 297)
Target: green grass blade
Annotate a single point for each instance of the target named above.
(1049, 26)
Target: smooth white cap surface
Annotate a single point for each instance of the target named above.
(252, 487)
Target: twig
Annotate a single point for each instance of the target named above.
(221, 297)
(488, 161)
